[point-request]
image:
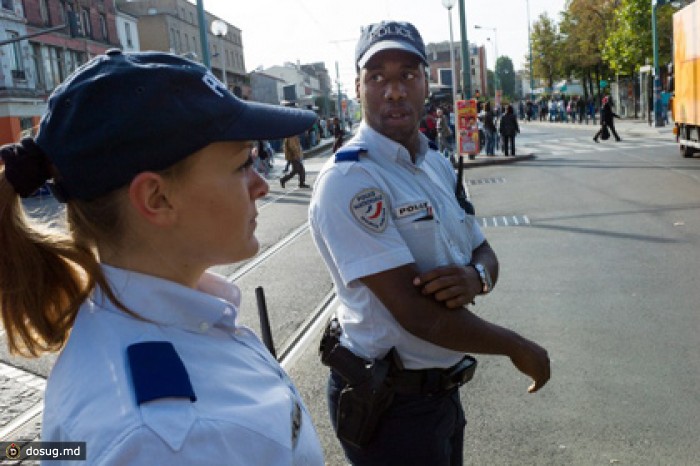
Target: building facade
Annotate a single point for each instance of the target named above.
(172, 26)
(31, 67)
(440, 66)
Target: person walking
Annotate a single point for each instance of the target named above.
(607, 122)
(509, 128)
(338, 134)
(444, 133)
(294, 155)
(406, 261)
(151, 155)
(490, 130)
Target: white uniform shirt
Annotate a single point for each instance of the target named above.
(245, 403)
(383, 212)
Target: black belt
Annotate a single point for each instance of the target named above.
(433, 381)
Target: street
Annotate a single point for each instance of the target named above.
(598, 247)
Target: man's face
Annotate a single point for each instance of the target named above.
(392, 87)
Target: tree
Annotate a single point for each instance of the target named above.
(585, 25)
(506, 76)
(629, 44)
(490, 83)
(546, 46)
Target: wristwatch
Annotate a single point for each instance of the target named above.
(485, 277)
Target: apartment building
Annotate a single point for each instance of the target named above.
(32, 67)
(172, 26)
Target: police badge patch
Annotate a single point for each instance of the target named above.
(369, 208)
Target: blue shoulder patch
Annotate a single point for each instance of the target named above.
(158, 372)
(432, 145)
(349, 154)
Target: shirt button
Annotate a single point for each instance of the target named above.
(203, 327)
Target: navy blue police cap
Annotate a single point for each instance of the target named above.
(389, 35)
(124, 113)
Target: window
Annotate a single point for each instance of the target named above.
(15, 56)
(44, 12)
(103, 27)
(85, 23)
(8, 5)
(127, 33)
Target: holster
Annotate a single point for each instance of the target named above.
(368, 392)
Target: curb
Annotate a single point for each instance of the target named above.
(485, 160)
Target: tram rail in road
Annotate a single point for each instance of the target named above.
(289, 353)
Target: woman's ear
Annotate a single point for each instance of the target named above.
(149, 196)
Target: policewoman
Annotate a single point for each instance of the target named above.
(151, 155)
(406, 260)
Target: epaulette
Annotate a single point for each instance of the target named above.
(158, 372)
(349, 154)
(432, 145)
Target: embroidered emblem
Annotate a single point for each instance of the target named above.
(369, 208)
(414, 208)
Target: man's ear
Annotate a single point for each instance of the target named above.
(148, 195)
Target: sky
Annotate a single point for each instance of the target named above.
(279, 31)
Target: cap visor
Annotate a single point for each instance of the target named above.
(264, 121)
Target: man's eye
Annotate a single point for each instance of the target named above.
(410, 75)
(377, 78)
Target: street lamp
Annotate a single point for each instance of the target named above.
(453, 114)
(449, 4)
(495, 47)
(220, 29)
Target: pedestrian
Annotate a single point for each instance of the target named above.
(151, 155)
(607, 123)
(294, 155)
(406, 260)
(490, 130)
(509, 128)
(444, 133)
(338, 134)
(261, 158)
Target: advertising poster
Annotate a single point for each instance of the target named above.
(467, 127)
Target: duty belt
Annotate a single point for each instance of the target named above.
(402, 381)
(433, 381)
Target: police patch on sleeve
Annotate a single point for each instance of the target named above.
(369, 208)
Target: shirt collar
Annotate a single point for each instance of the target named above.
(388, 149)
(214, 302)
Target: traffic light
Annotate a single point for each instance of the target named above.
(73, 25)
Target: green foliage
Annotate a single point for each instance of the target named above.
(506, 75)
(546, 49)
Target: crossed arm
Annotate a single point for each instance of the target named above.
(432, 307)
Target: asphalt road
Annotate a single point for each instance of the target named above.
(598, 246)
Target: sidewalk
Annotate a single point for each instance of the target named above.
(629, 126)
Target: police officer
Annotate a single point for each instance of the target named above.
(152, 156)
(406, 261)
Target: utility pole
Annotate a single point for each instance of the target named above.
(466, 63)
(659, 120)
(340, 109)
(529, 43)
(202, 20)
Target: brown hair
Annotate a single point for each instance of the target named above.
(46, 274)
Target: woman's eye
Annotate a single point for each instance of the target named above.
(248, 163)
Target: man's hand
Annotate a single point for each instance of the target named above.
(531, 359)
(455, 286)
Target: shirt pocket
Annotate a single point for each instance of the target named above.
(424, 239)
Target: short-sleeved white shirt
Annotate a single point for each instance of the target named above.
(381, 212)
(246, 408)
